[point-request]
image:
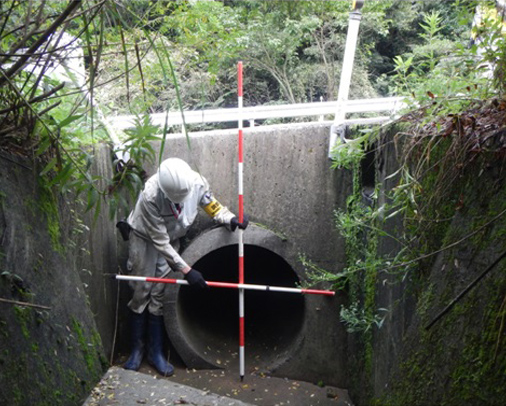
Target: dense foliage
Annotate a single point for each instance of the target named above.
(66, 65)
(145, 56)
(447, 86)
(292, 51)
(135, 51)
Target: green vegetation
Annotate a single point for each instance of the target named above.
(89, 349)
(49, 207)
(23, 315)
(144, 56)
(446, 154)
(464, 348)
(428, 162)
(35, 359)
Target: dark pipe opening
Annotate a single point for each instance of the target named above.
(273, 320)
(368, 175)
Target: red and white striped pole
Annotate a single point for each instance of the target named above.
(241, 218)
(244, 286)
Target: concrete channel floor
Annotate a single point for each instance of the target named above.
(130, 388)
(208, 388)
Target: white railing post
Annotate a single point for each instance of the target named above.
(346, 71)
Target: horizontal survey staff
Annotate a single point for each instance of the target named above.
(228, 285)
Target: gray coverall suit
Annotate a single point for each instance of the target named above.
(157, 224)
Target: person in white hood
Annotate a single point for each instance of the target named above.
(165, 210)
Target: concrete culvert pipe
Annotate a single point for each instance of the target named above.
(204, 326)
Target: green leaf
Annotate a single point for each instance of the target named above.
(69, 120)
(43, 146)
(98, 208)
(63, 175)
(92, 198)
(49, 166)
(136, 179)
(113, 206)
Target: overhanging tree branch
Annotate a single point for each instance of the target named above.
(34, 100)
(52, 28)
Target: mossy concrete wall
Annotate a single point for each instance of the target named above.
(52, 354)
(289, 188)
(53, 255)
(99, 249)
(461, 357)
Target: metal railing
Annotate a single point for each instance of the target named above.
(386, 105)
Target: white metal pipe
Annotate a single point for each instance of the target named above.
(348, 62)
(346, 73)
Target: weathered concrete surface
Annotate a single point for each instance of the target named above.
(391, 293)
(98, 257)
(220, 388)
(290, 189)
(288, 184)
(51, 353)
(414, 359)
(129, 388)
(459, 358)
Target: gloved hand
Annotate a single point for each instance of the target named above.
(195, 279)
(234, 223)
(124, 229)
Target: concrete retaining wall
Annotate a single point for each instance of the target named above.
(290, 194)
(290, 189)
(98, 258)
(50, 350)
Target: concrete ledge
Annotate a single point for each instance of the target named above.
(129, 388)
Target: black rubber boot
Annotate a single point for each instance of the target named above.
(155, 346)
(137, 333)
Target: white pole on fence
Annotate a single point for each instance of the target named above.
(346, 71)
